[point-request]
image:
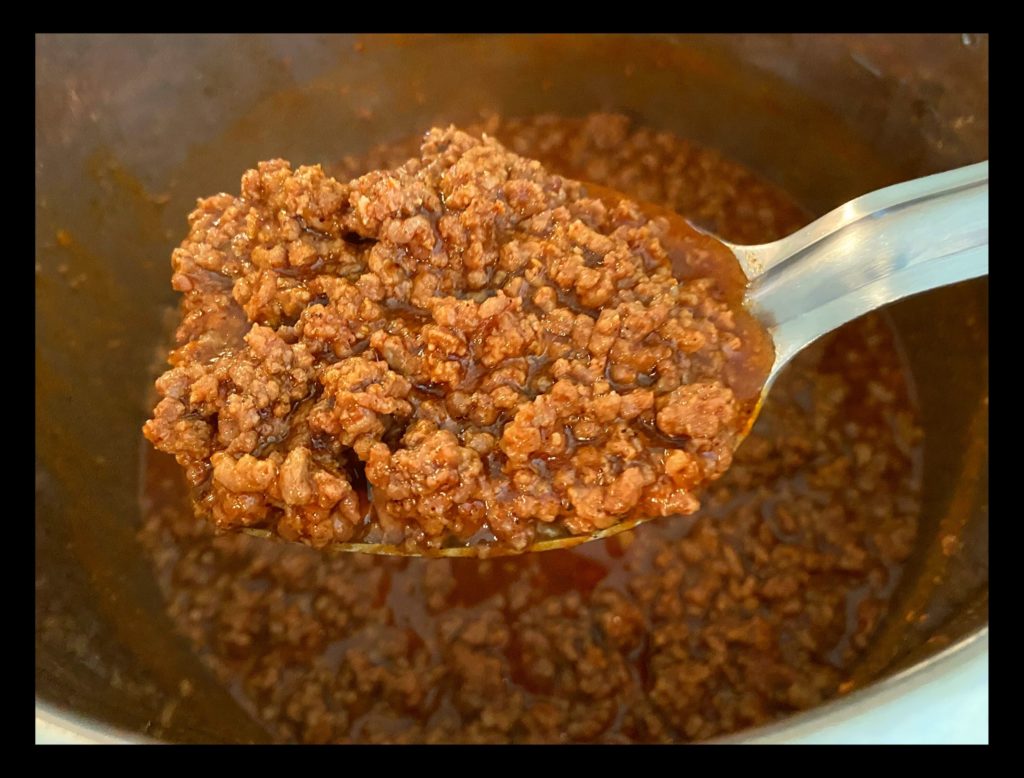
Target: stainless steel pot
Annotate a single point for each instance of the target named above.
(130, 130)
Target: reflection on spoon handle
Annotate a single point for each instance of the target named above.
(879, 248)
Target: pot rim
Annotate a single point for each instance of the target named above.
(962, 658)
(55, 724)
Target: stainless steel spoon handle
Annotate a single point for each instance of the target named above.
(881, 247)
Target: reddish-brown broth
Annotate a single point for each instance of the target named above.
(681, 630)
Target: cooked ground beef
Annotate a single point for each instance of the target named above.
(466, 349)
(683, 629)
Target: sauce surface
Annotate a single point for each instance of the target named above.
(684, 629)
(466, 349)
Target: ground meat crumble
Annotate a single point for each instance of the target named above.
(465, 349)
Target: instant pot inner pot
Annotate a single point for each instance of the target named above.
(131, 130)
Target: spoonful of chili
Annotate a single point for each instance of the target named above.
(469, 356)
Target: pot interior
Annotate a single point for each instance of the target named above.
(132, 129)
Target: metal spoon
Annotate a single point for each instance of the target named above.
(874, 250)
